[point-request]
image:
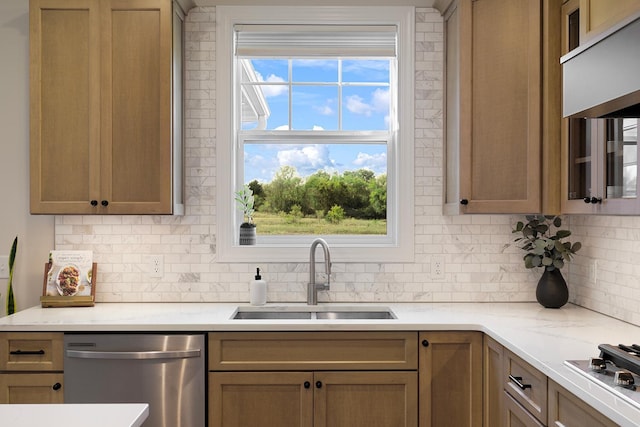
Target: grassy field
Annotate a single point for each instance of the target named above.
(278, 224)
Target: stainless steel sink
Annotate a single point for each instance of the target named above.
(272, 315)
(313, 313)
(354, 315)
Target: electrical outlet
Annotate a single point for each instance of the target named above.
(156, 265)
(437, 267)
(4, 267)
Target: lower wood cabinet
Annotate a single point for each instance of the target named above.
(313, 379)
(31, 367)
(31, 388)
(354, 399)
(515, 415)
(450, 366)
(493, 382)
(566, 410)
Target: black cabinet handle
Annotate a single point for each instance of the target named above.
(593, 200)
(307, 384)
(464, 202)
(425, 343)
(318, 384)
(104, 203)
(94, 203)
(57, 386)
(27, 352)
(518, 381)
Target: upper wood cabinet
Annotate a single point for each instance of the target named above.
(101, 106)
(599, 156)
(502, 106)
(600, 15)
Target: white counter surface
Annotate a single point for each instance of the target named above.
(543, 337)
(75, 415)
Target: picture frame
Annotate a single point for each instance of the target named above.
(56, 298)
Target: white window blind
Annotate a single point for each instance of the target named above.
(271, 41)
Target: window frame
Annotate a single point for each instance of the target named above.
(400, 246)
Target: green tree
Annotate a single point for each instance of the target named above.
(285, 190)
(335, 214)
(378, 196)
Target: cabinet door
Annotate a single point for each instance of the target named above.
(136, 66)
(566, 410)
(268, 399)
(493, 382)
(366, 399)
(31, 388)
(64, 105)
(500, 106)
(450, 382)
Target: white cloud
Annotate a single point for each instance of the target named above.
(270, 91)
(306, 159)
(380, 100)
(356, 105)
(379, 103)
(324, 110)
(376, 162)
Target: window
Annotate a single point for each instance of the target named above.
(319, 118)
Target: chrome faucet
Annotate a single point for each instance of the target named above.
(313, 287)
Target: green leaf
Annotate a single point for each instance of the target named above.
(557, 222)
(546, 261)
(558, 263)
(576, 247)
(561, 234)
(11, 302)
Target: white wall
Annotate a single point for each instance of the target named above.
(35, 233)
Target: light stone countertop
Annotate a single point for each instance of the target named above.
(545, 338)
(75, 415)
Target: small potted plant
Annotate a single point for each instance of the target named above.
(245, 201)
(542, 239)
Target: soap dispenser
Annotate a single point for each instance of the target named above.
(258, 290)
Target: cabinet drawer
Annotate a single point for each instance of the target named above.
(30, 351)
(259, 351)
(527, 385)
(516, 416)
(566, 410)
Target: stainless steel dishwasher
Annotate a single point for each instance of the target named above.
(166, 371)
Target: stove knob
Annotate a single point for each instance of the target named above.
(623, 378)
(597, 364)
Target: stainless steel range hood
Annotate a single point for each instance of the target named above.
(602, 77)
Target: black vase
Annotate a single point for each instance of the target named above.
(552, 291)
(247, 234)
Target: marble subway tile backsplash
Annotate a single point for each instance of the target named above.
(478, 267)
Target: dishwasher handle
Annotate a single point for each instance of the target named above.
(133, 355)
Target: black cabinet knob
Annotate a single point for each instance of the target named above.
(464, 202)
(307, 384)
(318, 384)
(57, 386)
(94, 203)
(587, 199)
(425, 343)
(104, 203)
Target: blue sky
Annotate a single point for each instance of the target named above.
(316, 106)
